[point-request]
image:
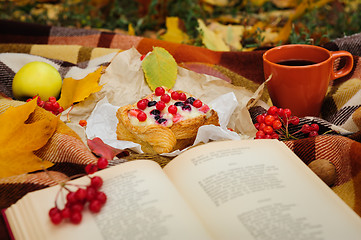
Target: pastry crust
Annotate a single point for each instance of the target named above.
(156, 138)
(152, 138)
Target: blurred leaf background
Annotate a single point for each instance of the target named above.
(224, 25)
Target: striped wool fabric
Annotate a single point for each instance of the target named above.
(82, 51)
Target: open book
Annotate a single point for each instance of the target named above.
(246, 189)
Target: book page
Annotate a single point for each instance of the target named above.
(259, 189)
(141, 204)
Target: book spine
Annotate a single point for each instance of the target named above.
(7, 224)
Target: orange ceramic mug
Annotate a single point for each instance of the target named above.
(301, 75)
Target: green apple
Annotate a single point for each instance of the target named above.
(36, 78)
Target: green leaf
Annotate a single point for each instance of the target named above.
(160, 68)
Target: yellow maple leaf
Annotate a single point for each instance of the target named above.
(19, 140)
(160, 69)
(210, 39)
(174, 33)
(74, 90)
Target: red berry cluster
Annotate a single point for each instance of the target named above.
(275, 124)
(77, 200)
(50, 105)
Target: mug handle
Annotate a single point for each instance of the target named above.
(348, 66)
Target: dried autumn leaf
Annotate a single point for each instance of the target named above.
(131, 30)
(19, 140)
(285, 3)
(160, 68)
(77, 90)
(231, 34)
(174, 33)
(210, 39)
(220, 3)
(98, 147)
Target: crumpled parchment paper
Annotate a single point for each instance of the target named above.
(123, 83)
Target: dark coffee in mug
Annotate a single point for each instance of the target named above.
(296, 62)
(298, 84)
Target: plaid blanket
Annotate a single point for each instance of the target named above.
(82, 51)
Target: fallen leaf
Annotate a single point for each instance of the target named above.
(19, 140)
(210, 39)
(76, 90)
(258, 3)
(174, 33)
(99, 148)
(220, 3)
(285, 3)
(160, 68)
(131, 30)
(231, 34)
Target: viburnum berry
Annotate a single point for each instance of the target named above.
(91, 193)
(268, 130)
(52, 99)
(95, 206)
(159, 91)
(47, 106)
(272, 110)
(197, 103)
(165, 98)
(160, 105)
(76, 217)
(70, 197)
(277, 124)
(269, 119)
(91, 168)
(260, 118)
(80, 194)
(305, 128)
(101, 196)
(172, 109)
(287, 113)
(182, 96)
(274, 136)
(314, 127)
(96, 182)
(83, 123)
(280, 112)
(261, 126)
(141, 116)
(55, 215)
(142, 104)
(260, 134)
(76, 207)
(65, 212)
(102, 163)
(313, 134)
(174, 95)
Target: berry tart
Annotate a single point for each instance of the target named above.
(164, 121)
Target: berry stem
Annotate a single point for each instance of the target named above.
(68, 114)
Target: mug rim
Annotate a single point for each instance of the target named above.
(270, 51)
